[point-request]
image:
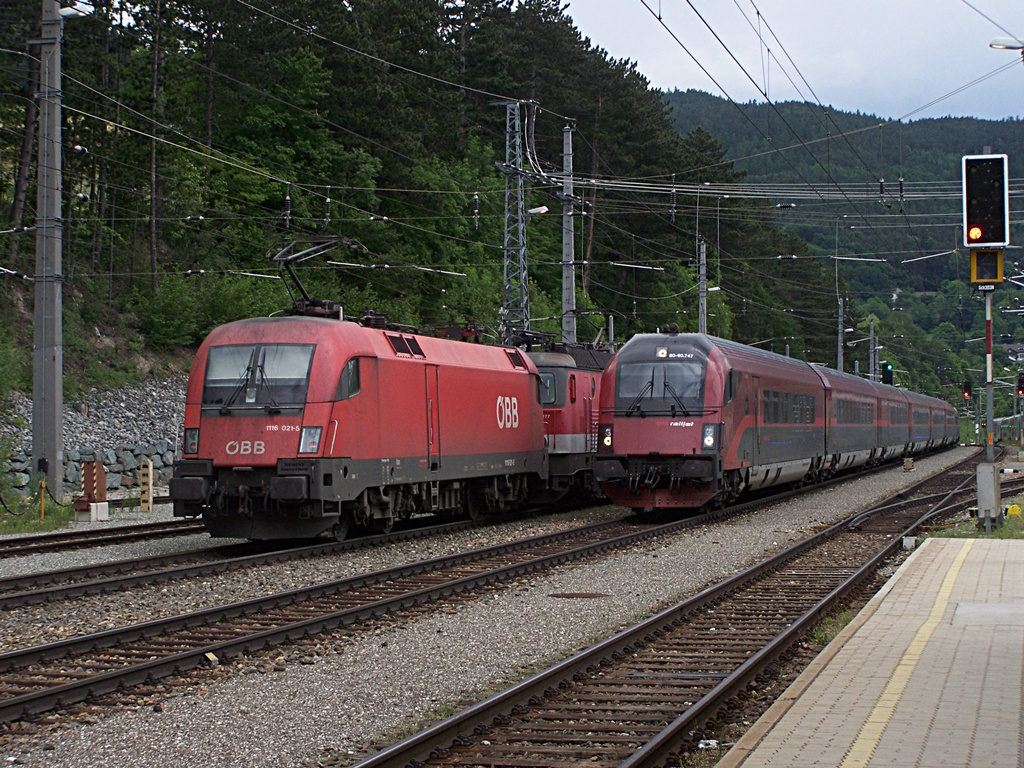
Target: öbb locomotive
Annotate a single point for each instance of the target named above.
(687, 419)
(570, 378)
(300, 426)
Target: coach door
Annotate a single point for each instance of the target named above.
(433, 418)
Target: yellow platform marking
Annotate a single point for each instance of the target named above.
(871, 732)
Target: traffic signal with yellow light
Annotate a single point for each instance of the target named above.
(967, 390)
(986, 201)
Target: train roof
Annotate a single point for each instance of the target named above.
(568, 356)
(735, 351)
(639, 346)
(348, 339)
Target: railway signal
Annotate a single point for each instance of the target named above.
(1020, 385)
(967, 390)
(887, 373)
(986, 201)
(986, 267)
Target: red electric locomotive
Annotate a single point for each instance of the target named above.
(686, 419)
(570, 380)
(297, 426)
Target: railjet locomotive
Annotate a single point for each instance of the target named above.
(687, 419)
(298, 426)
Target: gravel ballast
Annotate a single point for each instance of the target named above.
(385, 681)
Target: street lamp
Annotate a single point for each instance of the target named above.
(1008, 44)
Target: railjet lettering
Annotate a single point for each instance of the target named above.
(245, 448)
(680, 423)
(507, 411)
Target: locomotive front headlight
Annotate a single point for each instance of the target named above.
(191, 442)
(709, 436)
(606, 437)
(309, 440)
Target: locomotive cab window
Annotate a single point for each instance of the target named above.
(262, 375)
(548, 391)
(348, 383)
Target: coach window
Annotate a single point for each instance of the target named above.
(348, 384)
(572, 388)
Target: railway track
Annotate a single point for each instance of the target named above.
(36, 679)
(19, 546)
(48, 586)
(639, 698)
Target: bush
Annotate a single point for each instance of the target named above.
(170, 319)
(14, 367)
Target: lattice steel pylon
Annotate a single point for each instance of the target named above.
(515, 300)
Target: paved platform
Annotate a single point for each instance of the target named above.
(929, 675)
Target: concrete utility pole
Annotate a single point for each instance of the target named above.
(702, 286)
(48, 347)
(872, 354)
(568, 241)
(839, 342)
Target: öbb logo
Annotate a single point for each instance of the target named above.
(245, 448)
(507, 411)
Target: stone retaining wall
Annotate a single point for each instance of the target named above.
(120, 462)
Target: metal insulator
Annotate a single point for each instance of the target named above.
(672, 210)
(288, 207)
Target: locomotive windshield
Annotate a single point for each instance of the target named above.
(662, 387)
(261, 375)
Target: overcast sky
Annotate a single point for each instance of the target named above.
(891, 58)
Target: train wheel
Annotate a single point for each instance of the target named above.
(340, 529)
(471, 504)
(382, 525)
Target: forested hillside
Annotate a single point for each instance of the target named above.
(885, 197)
(204, 136)
(903, 169)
